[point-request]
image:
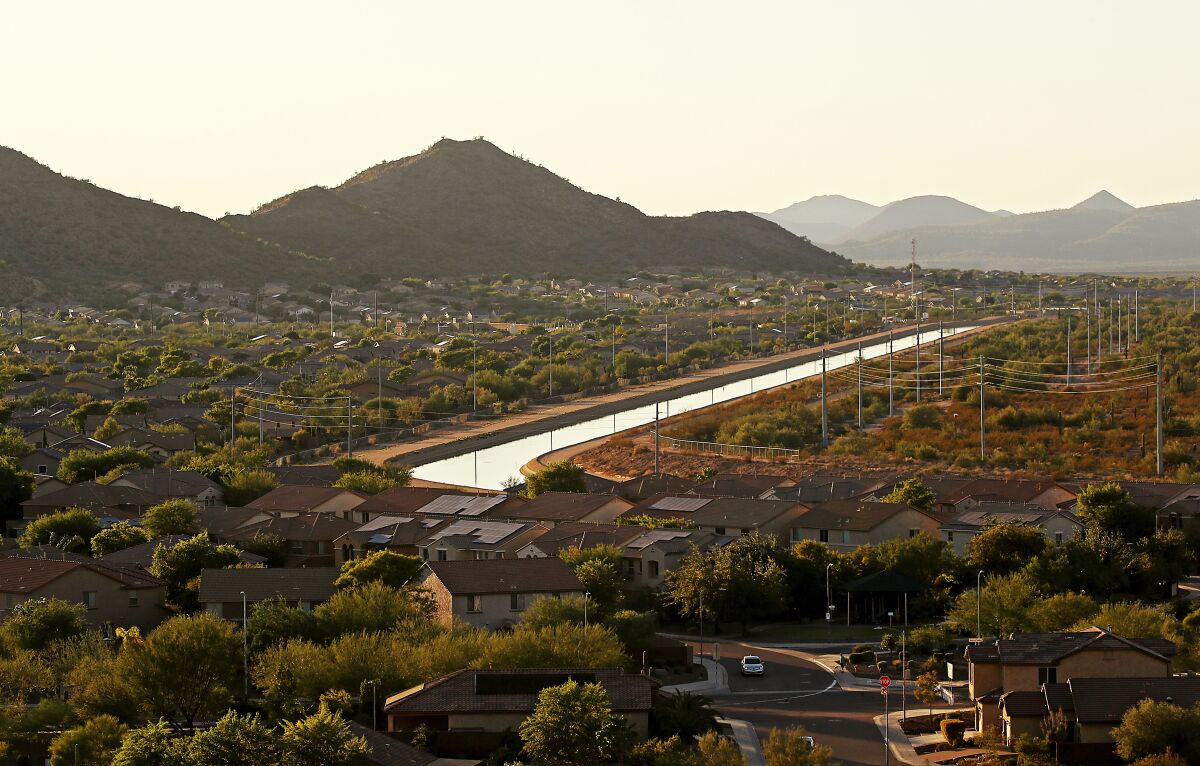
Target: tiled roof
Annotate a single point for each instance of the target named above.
(22, 575)
(471, 691)
(164, 481)
(312, 527)
(1024, 703)
(312, 584)
(385, 750)
(142, 554)
(291, 497)
(582, 534)
(1105, 700)
(855, 515)
(564, 506)
(1049, 648)
(548, 575)
(93, 496)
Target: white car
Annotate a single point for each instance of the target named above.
(752, 665)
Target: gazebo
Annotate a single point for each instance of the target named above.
(879, 591)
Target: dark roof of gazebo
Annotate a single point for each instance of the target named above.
(887, 581)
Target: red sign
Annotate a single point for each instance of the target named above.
(884, 682)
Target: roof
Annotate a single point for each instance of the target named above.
(300, 584)
(1024, 703)
(222, 521)
(516, 690)
(301, 527)
(737, 512)
(647, 486)
(566, 506)
(1049, 648)
(26, 576)
(1105, 700)
(91, 495)
(400, 500)
(142, 554)
(165, 481)
(887, 581)
(854, 515)
(294, 497)
(386, 750)
(469, 532)
(582, 534)
(392, 531)
(478, 577)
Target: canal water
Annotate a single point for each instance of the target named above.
(492, 466)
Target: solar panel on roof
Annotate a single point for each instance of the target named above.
(463, 505)
(379, 539)
(444, 504)
(477, 505)
(379, 522)
(684, 504)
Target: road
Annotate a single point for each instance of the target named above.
(797, 692)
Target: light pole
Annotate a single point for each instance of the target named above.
(979, 605)
(374, 704)
(245, 654)
(586, 595)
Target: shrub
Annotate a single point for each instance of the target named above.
(953, 730)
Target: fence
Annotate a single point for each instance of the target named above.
(731, 450)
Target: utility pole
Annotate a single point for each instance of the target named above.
(550, 366)
(667, 337)
(785, 310)
(917, 368)
(657, 452)
(891, 391)
(332, 334)
(349, 427)
(860, 371)
(913, 291)
(824, 405)
(1068, 350)
(941, 358)
(982, 414)
(474, 370)
(1137, 323)
(1158, 426)
(1088, 314)
(1040, 297)
(232, 420)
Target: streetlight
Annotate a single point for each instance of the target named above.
(245, 654)
(719, 590)
(586, 595)
(374, 704)
(978, 605)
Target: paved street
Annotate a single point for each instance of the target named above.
(795, 692)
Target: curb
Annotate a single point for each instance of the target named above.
(716, 684)
(747, 740)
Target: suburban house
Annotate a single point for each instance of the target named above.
(386, 750)
(104, 500)
(1025, 662)
(42, 461)
(221, 590)
(168, 482)
(494, 594)
(647, 558)
(398, 534)
(726, 516)
(574, 534)
(958, 530)
(291, 499)
(111, 595)
(309, 536)
(477, 539)
(754, 486)
(551, 508)
(141, 556)
(847, 524)
(500, 700)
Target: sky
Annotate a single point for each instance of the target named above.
(674, 107)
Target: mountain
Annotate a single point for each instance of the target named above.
(467, 207)
(928, 210)
(1081, 239)
(63, 237)
(1104, 200)
(824, 218)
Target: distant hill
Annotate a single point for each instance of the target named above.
(928, 210)
(824, 218)
(1081, 239)
(63, 237)
(1104, 200)
(466, 207)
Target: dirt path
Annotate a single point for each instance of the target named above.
(459, 439)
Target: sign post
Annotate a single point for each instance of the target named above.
(884, 683)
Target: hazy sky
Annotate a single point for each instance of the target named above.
(673, 106)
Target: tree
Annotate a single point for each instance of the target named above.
(368, 608)
(926, 689)
(388, 567)
(1162, 759)
(247, 486)
(1005, 606)
(715, 750)
(16, 486)
(599, 569)
(185, 669)
(684, 715)
(181, 563)
(563, 476)
(1134, 621)
(149, 745)
(1005, 547)
(572, 724)
(37, 623)
(912, 492)
(172, 517)
(118, 537)
(92, 743)
(1153, 728)
(275, 621)
(12, 443)
(1107, 508)
(70, 530)
(235, 740)
(85, 465)
(1062, 610)
(742, 581)
(321, 739)
(367, 482)
(790, 747)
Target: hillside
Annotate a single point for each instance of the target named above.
(1159, 238)
(466, 207)
(928, 210)
(824, 218)
(1104, 200)
(63, 237)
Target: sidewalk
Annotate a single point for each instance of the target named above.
(747, 739)
(716, 684)
(901, 747)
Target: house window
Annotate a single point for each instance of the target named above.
(824, 536)
(914, 532)
(44, 470)
(720, 530)
(745, 532)
(89, 599)
(845, 537)
(516, 602)
(1047, 676)
(133, 599)
(474, 603)
(441, 554)
(949, 537)
(425, 553)
(1058, 538)
(654, 569)
(297, 547)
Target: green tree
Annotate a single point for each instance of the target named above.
(388, 567)
(37, 623)
(85, 465)
(912, 492)
(77, 418)
(1153, 728)
(366, 482)
(1107, 508)
(275, 621)
(234, 740)
(1133, 620)
(118, 537)
(16, 486)
(1061, 611)
(684, 715)
(94, 742)
(186, 668)
(149, 745)
(12, 443)
(790, 747)
(181, 563)
(172, 517)
(925, 689)
(70, 530)
(599, 569)
(742, 581)
(321, 739)
(108, 429)
(1005, 547)
(245, 487)
(572, 724)
(1006, 606)
(370, 607)
(715, 750)
(563, 476)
